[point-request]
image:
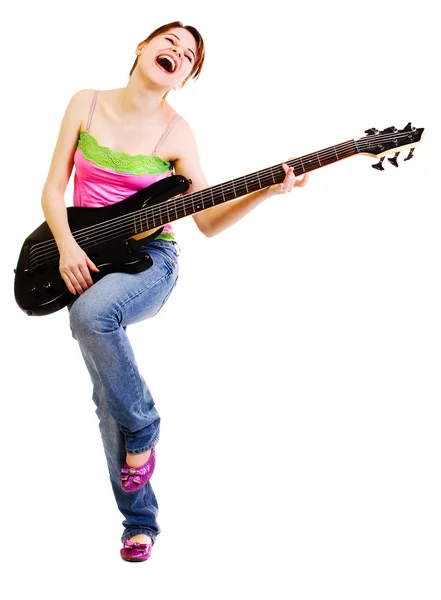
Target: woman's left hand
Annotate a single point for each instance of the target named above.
(289, 183)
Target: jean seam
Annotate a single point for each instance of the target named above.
(149, 446)
(139, 531)
(136, 380)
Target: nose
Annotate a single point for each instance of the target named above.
(177, 51)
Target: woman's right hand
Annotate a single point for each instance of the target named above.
(74, 267)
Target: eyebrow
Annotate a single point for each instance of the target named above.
(168, 33)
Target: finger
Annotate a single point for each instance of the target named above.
(290, 180)
(301, 182)
(68, 283)
(78, 280)
(92, 265)
(86, 275)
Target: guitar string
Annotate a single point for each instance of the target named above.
(324, 155)
(128, 225)
(187, 202)
(128, 220)
(108, 229)
(246, 177)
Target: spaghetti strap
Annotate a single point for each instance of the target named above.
(92, 109)
(164, 135)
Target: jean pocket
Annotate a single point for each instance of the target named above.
(166, 254)
(164, 251)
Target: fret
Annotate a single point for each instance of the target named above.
(162, 216)
(272, 175)
(214, 200)
(318, 157)
(234, 189)
(158, 215)
(134, 222)
(228, 189)
(301, 164)
(336, 153)
(260, 185)
(246, 185)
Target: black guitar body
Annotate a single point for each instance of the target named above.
(39, 288)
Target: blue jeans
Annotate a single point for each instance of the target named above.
(128, 419)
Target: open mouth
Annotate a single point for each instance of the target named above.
(167, 63)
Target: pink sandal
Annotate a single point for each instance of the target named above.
(135, 552)
(133, 479)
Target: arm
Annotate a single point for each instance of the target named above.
(218, 218)
(74, 263)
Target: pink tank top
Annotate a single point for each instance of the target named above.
(103, 176)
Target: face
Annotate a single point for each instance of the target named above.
(169, 58)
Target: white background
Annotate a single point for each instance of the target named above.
(295, 367)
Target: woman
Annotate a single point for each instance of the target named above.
(110, 137)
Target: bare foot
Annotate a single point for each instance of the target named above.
(137, 460)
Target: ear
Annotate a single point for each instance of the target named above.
(139, 48)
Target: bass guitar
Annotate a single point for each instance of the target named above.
(108, 234)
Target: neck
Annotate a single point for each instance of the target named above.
(139, 99)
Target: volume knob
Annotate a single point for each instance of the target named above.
(48, 287)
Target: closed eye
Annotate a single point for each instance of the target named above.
(173, 42)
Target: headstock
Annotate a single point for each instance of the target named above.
(389, 141)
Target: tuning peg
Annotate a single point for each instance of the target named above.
(371, 131)
(409, 127)
(391, 129)
(410, 155)
(379, 165)
(393, 161)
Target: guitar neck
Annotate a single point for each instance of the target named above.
(189, 204)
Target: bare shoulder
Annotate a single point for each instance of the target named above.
(79, 105)
(183, 141)
(63, 155)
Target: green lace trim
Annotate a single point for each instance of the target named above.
(169, 237)
(102, 156)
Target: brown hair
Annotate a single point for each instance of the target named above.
(200, 47)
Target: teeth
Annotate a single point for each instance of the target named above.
(172, 62)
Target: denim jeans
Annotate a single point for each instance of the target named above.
(128, 419)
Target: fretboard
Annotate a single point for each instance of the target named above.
(189, 204)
